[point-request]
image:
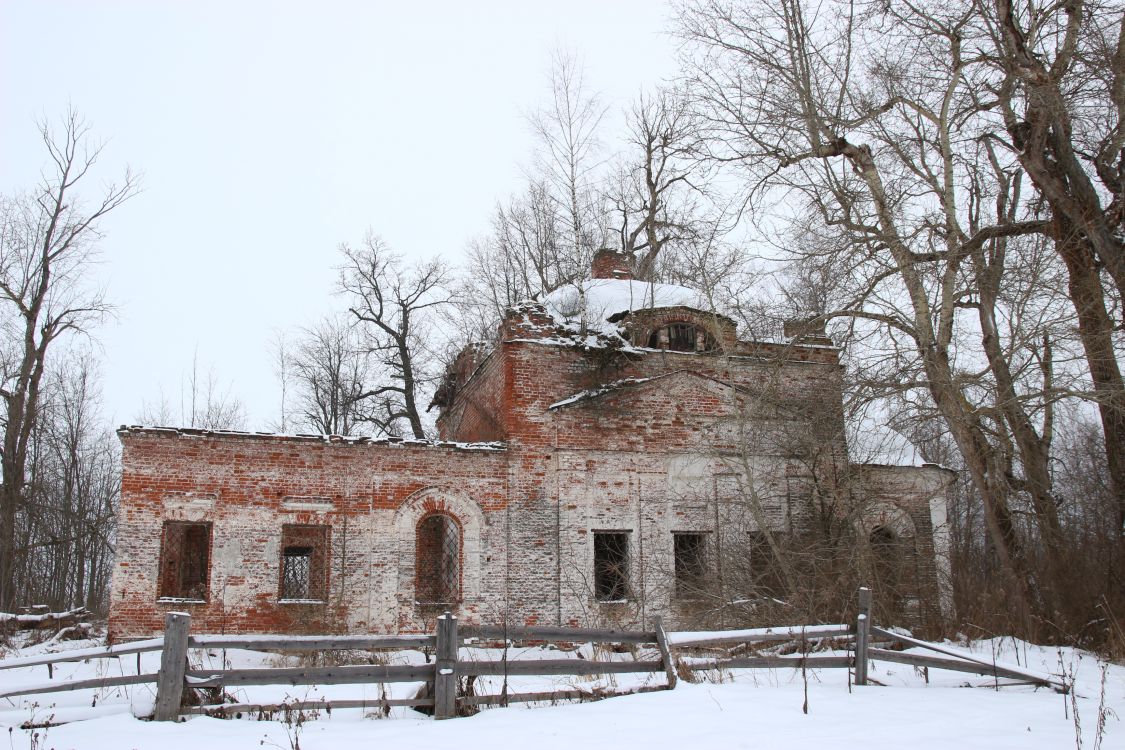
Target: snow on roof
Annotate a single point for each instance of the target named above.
(604, 298)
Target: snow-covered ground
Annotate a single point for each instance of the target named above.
(741, 708)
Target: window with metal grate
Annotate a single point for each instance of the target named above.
(438, 560)
(304, 563)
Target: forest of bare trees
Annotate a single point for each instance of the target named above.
(930, 164)
(59, 461)
(939, 186)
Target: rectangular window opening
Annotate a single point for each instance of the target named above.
(611, 565)
(691, 568)
(304, 563)
(185, 560)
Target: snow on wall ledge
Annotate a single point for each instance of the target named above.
(190, 432)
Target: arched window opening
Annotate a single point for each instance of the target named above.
(681, 337)
(438, 560)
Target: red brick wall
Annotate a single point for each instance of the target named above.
(477, 413)
(609, 264)
(248, 487)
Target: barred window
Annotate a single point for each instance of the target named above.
(690, 558)
(185, 560)
(611, 565)
(438, 560)
(304, 562)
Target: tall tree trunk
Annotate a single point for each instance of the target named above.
(1033, 449)
(1095, 329)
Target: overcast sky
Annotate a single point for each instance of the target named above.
(268, 133)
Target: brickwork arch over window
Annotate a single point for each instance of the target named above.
(433, 528)
(682, 337)
(892, 545)
(437, 560)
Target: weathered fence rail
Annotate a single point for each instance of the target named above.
(574, 635)
(312, 642)
(82, 654)
(960, 662)
(772, 662)
(58, 686)
(759, 635)
(176, 676)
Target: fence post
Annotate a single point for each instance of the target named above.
(173, 663)
(862, 635)
(665, 651)
(445, 668)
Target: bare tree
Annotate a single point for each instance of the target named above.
(394, 306)
(568, 132)
(523, 256)
(330, 368)
(47, 243)
(279, 351)
(659, 190)
(875, 124)
(1062, 99)
(204, 404)
(66, 525)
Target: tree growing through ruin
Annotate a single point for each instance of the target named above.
(568, 129)
(204, 403)
(659, 189)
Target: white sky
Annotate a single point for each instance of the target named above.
(267, 133)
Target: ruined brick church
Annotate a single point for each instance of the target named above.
(607, 458)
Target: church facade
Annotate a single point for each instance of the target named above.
(616, 453)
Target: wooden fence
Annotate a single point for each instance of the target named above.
(441, 676)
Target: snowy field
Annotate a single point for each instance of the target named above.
(736, 709)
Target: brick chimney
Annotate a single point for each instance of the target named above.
(610, 264)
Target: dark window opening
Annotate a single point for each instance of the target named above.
(438, 560)
(304, 563)
(893, 565)
(690, 553)
(681, 337)
(185, 557)
(611, 565)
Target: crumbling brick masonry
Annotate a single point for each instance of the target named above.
(596, 463)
